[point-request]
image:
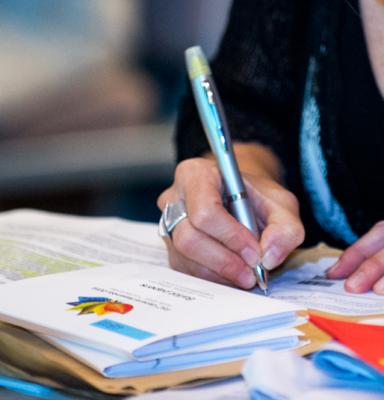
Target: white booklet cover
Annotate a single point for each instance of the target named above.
(137, 310)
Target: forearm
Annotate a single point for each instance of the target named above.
(257, 160)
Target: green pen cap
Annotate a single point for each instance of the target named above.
(197, 64)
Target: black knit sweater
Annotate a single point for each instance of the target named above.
(279, 70)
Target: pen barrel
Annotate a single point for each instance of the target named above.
(238, 202)
(241, 210)
(216, 130)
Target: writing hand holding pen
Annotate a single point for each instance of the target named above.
(213, 119)
(211, 243)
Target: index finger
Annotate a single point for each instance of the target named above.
(207, 213)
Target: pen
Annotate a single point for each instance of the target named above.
(215, 126)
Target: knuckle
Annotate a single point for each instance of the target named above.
(181, 169)
(300, 234)
(283, 197)
(375, 263)
(291, 199)
(234, 240)
(197, 166)
(184, 243)
(203, 217)
(294, 233)
(231, 268)
(161, 200)
(189, 164)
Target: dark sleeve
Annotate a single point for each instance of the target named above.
(257, 70)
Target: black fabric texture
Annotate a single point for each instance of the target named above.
(260, 69)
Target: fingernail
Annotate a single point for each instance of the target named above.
(271, 258)
(356, 280)
(331, 270)
(250, 256)
(379, 287)
(247, 279)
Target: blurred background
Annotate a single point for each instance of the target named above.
(88, 95)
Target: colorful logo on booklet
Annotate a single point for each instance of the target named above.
(99, 306)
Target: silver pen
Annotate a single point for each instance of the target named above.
(215, 126)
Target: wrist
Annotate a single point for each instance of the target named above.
(258, 160)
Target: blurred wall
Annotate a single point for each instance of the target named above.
(88, 92)
(170, 27)
(43, 41)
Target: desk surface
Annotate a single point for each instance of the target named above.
(86, 159)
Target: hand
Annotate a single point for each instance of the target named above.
(211, 244)
(363, 263)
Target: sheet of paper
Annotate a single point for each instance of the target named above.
(34, 243)
(308, 287)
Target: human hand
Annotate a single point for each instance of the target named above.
(211, 243)
(363, 263)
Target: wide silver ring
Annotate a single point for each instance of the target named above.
(173, 214)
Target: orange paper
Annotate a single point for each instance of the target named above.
(367, 341)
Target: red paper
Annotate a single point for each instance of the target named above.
(367, 341)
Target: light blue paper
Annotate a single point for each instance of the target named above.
(191, 360)
(216, 333)
(347, 371)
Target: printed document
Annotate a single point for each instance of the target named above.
(34, 243)
(308, 287)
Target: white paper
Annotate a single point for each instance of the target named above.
(34, 243)
(165, 303)
(308, 287)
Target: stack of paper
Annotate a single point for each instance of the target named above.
(129, 320)
(124, 314)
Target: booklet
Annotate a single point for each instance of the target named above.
(225, 350)
(138, 310)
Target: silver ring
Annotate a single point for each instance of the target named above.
(173, 214)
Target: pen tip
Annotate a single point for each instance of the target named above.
(262, 278)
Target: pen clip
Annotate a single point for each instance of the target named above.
(212, 105)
